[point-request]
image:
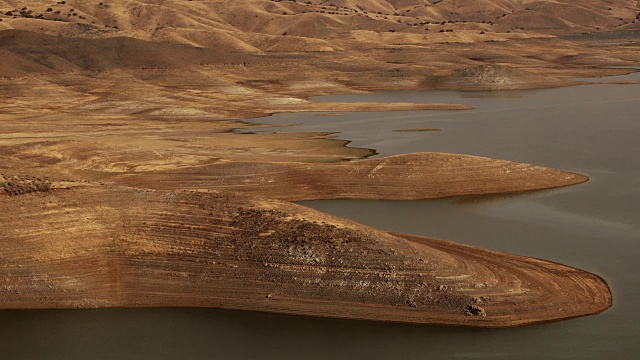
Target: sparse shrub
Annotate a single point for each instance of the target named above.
(19, 185)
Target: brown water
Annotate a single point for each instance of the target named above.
(594, 130)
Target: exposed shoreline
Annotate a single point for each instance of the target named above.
(100, 277)
(401, 177)
(136, 248)
(106, 280)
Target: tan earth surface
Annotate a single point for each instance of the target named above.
(123, 182)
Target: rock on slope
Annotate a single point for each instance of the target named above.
(493, 77)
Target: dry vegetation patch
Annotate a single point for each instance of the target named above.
(19, 185)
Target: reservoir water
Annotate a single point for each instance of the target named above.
(592, 129)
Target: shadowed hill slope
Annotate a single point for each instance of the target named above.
(26, 52)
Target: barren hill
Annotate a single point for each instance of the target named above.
(205, 23)
(368, 33)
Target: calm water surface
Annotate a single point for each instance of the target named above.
(593, 130)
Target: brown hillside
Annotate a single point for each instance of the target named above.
(113, 247)
(29, 51)
(180, 20)
(493, 77)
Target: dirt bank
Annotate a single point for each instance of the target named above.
(115, 247)
(401, 177)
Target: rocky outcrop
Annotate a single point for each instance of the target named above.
(473, 310)
(493, 77)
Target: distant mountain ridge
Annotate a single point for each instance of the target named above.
(70, 35)
(251, 25)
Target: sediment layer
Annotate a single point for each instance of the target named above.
(400, 177)
(78, 121)
(107, 246)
